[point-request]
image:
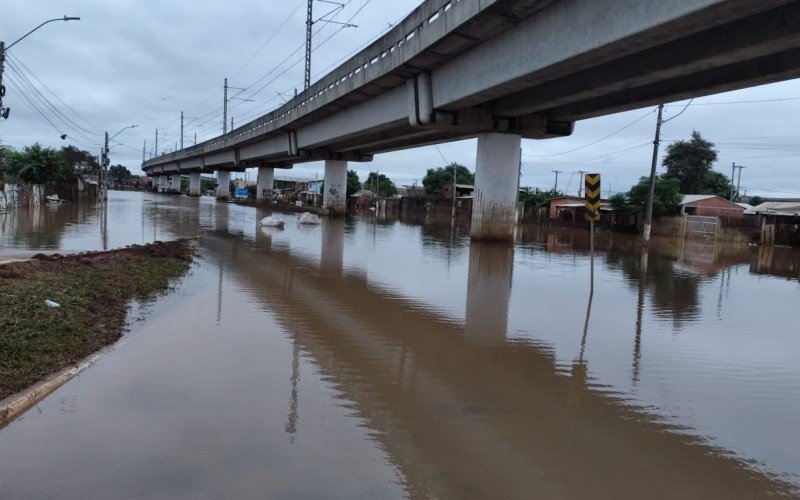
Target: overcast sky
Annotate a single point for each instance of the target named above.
(142, 62)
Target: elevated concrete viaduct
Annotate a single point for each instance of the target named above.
(503, 70)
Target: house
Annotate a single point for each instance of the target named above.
(568, 208)
(465, 191)
(292, 185)
(780, 208)
(412, 191)
(710, 205)
(462, 191)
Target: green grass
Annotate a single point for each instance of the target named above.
(94, 291)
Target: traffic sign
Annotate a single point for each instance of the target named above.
(592, 197)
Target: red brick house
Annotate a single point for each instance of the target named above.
(710, 205)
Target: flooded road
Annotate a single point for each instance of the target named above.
(397, 359)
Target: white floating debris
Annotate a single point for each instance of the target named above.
(272, 221)
(50, 303)
(308, 218)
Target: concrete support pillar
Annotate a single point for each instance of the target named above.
(175, 182)
(334, 197)
(194, 184)
(496, 186)
(266, 181)
(223, 185)
(491, 266)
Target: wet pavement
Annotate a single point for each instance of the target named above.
(384, 359)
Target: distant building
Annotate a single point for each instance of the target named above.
(710, 205)
(412, 191)
(568, 208)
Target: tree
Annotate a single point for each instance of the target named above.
(717, 184)
(436, 178)
(207, 184)
(756, 200)
(536, 196)
(385, 185)
(353, 183)
(618, 201)
(79, 161)
(667, 199)
(119, 173)
(689, 162)
(37, 165)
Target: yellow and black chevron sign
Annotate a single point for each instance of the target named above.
(592, 199)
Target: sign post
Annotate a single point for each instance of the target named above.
(592, 202)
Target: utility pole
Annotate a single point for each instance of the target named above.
(309, 25)
(580, 184)
(181, 129)
(144, 149)
(104, 167)
(195, 138)
(648, 215)
(455, 181)
(3, 111)
(739, 183)
(555, 187)
(225, 107)
(231, 124)
(733, 176)
(156, 150)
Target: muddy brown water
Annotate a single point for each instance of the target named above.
(394, 358)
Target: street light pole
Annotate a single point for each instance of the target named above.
(3, 49)
(105, 160)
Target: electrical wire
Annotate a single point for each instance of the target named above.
(598, 140)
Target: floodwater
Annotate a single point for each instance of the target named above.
(387, 359)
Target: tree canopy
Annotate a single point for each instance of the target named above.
(756, 200)
(536, 196)
(689, 162)
(716, 183)
(667, 199)
(436, 178)
(119, 173)
(353, 183)
(385, 185)
(37, 165)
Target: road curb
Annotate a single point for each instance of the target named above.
(17, 404)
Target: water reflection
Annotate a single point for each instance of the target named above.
(496, 371)
(491, 266)
(486, 418)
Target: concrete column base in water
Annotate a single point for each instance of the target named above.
(194, 184)
(266, 180)
(496, 186)
(334, 197)
(223, 185)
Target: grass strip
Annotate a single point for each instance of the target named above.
(94, 291)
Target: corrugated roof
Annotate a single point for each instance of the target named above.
(776, 208)
(691, 198)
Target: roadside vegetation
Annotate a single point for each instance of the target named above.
(688, 166)
(93, 292)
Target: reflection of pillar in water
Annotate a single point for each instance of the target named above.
(488, 290)
(221, 217)
(293, 416)
(332, 254)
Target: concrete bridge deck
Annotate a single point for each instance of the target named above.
(456, 69)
